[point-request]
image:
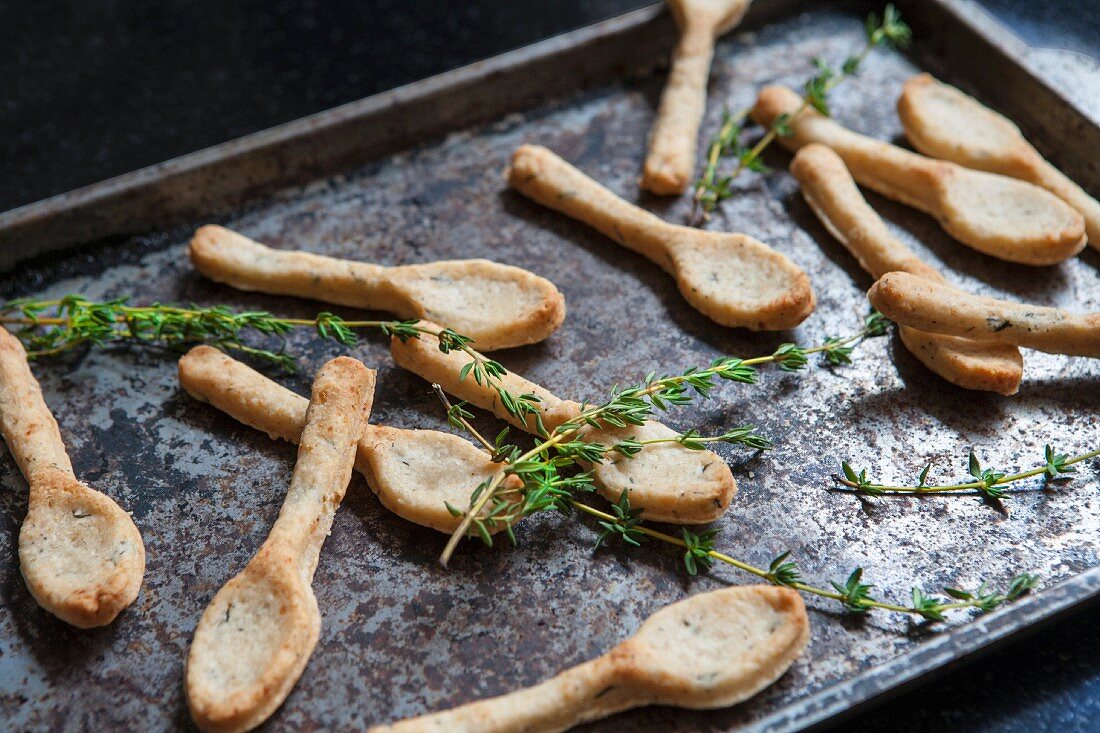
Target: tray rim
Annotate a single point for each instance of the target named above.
(951, 648)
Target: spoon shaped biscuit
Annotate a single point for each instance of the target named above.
(941, 308)
(80, 553)
(256, 636)
(832, 194)
(669, 482)
(943, 122)
(414, 473)
(712, 650)
(1000, 216)
(498, 306)
(731, 278)
(671, 159)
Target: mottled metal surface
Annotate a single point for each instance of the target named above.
(401, 636)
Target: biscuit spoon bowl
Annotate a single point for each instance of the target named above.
(712, 650)
(499, 306)
(943, 122)
(414, 473)
(999, 216)
(80, 554)
(256, 636)
(731, 278)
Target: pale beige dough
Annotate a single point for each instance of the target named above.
(668, 481)
(943, 122)
(832, 194)
(414, 473)
(80, 554)
(1000, 216)
(670, 161)
(256, 636)
(941, 308)
(498, 306)
(731, 278)
(712, 650)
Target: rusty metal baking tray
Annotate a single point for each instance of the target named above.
(415, 174)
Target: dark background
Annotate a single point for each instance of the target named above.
(94, 88)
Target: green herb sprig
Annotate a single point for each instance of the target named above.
(853, 594)
(497, 506)
(52, 327)
(987, 482)
(712, 188)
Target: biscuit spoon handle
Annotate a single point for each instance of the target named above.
(29, 427)
(586, 692)
(903, 175)
(832, 195)
(422, 356)
(238, 390)
(542, 176)
(671, 158)
(672, 145)
(228, 257)
(338, 410)
(940, 308)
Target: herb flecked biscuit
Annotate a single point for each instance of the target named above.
(670, 482)
(498, 306)
(80, 553)
(832, 194)
(941, 308)
(414, 473)
(731, 278)
(945, 123)
(712, 650)
(670, 162)
(256, 636)
(1000, 216)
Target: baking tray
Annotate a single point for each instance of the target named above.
(414, 175)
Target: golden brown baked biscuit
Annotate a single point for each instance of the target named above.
(712, 650)
(942, 122)
(80, 553)
(731, 278)
(498, 306)
(940, 308)
(671, 158)
(669, 482)
(1000, 216)
(832, 194)
(414, 473)
(256, 636)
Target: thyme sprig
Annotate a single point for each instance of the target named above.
(987, 482)
(495, 506)
(52, 327)
(853, 594)
(625, 523)
(712, 188)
